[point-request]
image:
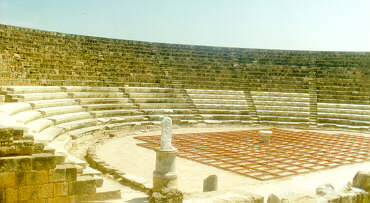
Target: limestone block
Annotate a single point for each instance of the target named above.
(43, 161)
(2, 99)
(210, 183)
(362, 180)
(323, 190)
(272, 198)
(7, 133)
(20, 163)
(29, 192)
(71, 173)
(11, 195)
(37, 177)
(57, 175)
(60, 189)
(20, 178)
(7, 179)
(46, 191)
(84, 185)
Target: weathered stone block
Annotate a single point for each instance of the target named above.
(71, 173)
(46, 191)
(19, 163)
(60, 189)
(43, 161)
(85, 186)
(11, 195)
(7, 179)
(8, 133)
(210, 183)
(20, 178)
(29, 192)
(37, 177)
(57, 174)
(362, 180)
(272, 198)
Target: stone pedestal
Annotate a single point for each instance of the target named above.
(265, 134)
(164, 175)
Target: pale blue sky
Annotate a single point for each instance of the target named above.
(329, 25)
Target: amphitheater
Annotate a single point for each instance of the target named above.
(80, 116)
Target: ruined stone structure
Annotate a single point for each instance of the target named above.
(62, 86)
(30, 172)
(316, 84)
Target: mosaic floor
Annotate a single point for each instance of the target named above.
(288, 153)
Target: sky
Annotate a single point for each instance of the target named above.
(322, 25)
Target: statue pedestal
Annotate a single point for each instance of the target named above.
(164, 175)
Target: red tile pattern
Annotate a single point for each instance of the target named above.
(289, 152)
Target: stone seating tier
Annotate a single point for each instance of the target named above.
(98, 108)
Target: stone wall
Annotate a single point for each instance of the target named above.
(34, 57)
(30, 173)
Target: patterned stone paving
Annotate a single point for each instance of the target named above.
(288, 153)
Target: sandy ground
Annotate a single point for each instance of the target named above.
(123, 152)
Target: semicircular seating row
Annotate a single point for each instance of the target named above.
(53, 113)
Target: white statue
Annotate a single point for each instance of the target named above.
(166, 137)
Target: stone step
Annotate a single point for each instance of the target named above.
(38, 125)
(13, 108)
(343, 121)
(27, 116)
(223, 111)
(100, 107)
(164, 105)
(217, 96)
(364, 102)
(112, 113)
(151, 90)
(222, 106)
(280, 94)
(39, 96)
(335, 125)
(159, 100)
(168, 111)
(90, 89)
(80, 132)
(68, 117)
(83, 101)
(344, 111)
(179, 116)
(288, 123)
(219, 101)
(49, 134)
(285, 99)
(228, 122)
(280, 103)
(33, 89)
(155, 95)
(96, 94)
(51, 111)
(283, 118)
(343, 106)
(130, 124)
(283, 113)
(68, 126)
(225, 117)
(121, 119)
(52, 103)
(217, 92)
(282, 108)
(344, 116)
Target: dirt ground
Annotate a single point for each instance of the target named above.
(122, 152)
